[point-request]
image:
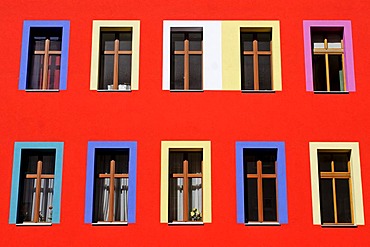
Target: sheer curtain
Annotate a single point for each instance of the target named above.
(120, 202)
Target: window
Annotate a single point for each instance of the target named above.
(329, 56)
(336, 184)
(256, 51)
(192, 56)
(36, 183)
(111, 183)
(44, 57)
(186, 59)
(261, 183)
(115, 56)
(185, 185)
(185, 182)
(115, 60)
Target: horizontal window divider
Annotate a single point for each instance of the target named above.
(42, 90)
(262, 224)
(339, 225)
(114, 90)
(258, 91)
(114, 223)
(186, 91)
(331, 92)
(189, 223)
(33, 224)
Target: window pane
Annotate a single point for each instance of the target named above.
(176, 200)
(264, 40)
(195, 41)
(325, 160)
(343, 200)
(125, 41)
(46, 200)
(55, 44)
(36, 71)
(195, 71)
(101, 199)
(269, 199)
(39, 43)
(319, 72)
(326, 201)
(27, 202)
(124, 69)
(336, 73)
(195, 162)
(176, 162)
(122, 163)
(177, 41)
(120, 199)
(177, 72)
(341, 162)
(247, 41)
(267, 156)
(107, 40)
(106, 72)
(54, 71)
(264, 72)
(247, 73)
(268, 167)
(252, 199)
(195, 199)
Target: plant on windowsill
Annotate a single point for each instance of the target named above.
(195, 215)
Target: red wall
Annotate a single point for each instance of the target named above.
(150, 115)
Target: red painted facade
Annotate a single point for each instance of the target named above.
(78, 115)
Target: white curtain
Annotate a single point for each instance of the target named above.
(46, 200)
(196, 194)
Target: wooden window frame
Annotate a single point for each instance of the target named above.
(256, 53)
(260, 176)
(187, 52)
(185, 175)
(334, 176)
(116, 52)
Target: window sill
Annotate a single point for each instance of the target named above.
(190, 90)
(262, 224)
(34, 224)
(42, 90)
(187, 223)
(114, 90)
(114, 223)
(258, 91)
(331, 92)
(339, 225)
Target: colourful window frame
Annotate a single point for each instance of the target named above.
(18, 147)
(89, 196)
(282, 205)
(27, 25)
(358, 210)
(231, 60)
(348, 51)
(95, 48)
(165, 149)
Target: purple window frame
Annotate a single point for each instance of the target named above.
(348, 51)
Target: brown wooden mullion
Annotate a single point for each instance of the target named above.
(46, 65)
(186, 64)
(255, 65)
(50, 52)
(185, 190)
(119, 52)
(259, 191)
(115, 65)
(38, 192)
(194, 175)
(111, 190)
(335, 174)
(42, 176)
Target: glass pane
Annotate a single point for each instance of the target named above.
(195, 199)
(269, 199)
(247, 73)
(120, 199)
(176, 200)
(122, 163)
(252, 200)
(264, 40)
(195, 41)
(336, 73)
(251, 167)
(195, 72)
(267, 156)
(268, 167)
(176, 162)
(341, 162)
(195, 162)
(55, 44)
(125, 41)
(107, 41)
(326, 201)
(103, 158)
(48, 164)
(54, 71)
(106, 81)
(319, 72)
(27, 202)
(325, 160)
(124, 70)
(36, 71)
(46, 200)
(177, 41)
(101, 199)
(343, 201)
(247, 41)
(264, 72)
(177, 72)
(39, 44)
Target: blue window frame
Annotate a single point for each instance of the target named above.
(282, 208)
(93, 146)
(16, 177)
(26, 46)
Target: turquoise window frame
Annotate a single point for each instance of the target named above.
(282, 206)
(18, 147)
(89, 196)
(27, 25)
